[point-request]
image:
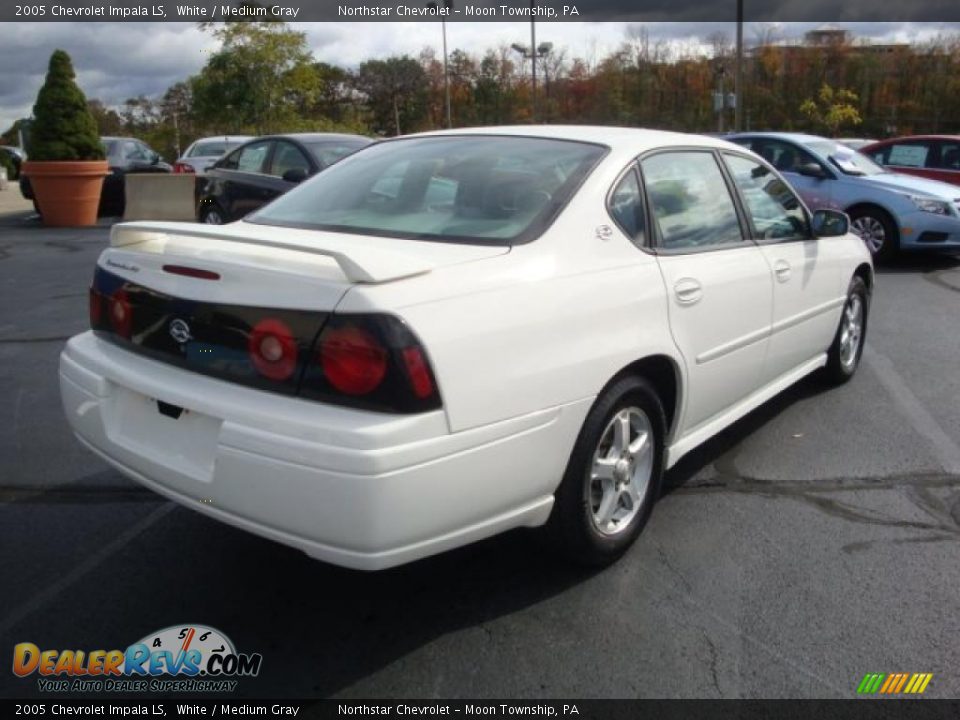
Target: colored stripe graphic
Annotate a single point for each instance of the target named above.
(894, 683)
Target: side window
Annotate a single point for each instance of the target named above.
(133, 151)
(912, 155)
(230, 161)
(626, 207)
(691, 204)
(288, 157)
(783, 156)
(251, 157)
(775, 212)
(949, 155)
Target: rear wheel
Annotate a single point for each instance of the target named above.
(613, 477)
(844, 354)
(877, 230)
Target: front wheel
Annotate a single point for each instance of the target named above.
(613, 477)
(844, 354)
(877, 230)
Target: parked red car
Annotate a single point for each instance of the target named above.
(931, 156)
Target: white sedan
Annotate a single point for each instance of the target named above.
(449, 335)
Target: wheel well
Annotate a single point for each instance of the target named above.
(663, 374)
(866, 274)
(880, 209)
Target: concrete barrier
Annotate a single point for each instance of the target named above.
(159, 196)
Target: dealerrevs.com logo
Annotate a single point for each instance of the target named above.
(181, 658)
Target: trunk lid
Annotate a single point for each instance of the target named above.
(205, 297)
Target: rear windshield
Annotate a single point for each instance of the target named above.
(327, 153)
(492, 190)
(212, 148)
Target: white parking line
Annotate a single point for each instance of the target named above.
(50, 592)
(945, 448)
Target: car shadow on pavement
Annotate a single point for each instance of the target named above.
(691, 464)
(909, 263)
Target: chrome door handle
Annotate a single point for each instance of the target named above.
(688, 291)
(781, 268)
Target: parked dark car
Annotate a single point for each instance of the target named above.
(16, 156)
(936, 157)
(124, 155)
(260, 170)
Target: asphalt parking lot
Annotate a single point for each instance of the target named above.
(815, 541)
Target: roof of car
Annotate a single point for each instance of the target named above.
(795, 137)
(617, 138)
(916, 137)
(315, 137)
(227, 138)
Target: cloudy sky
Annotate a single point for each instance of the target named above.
(115, 61)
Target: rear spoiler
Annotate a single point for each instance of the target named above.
(361, 259)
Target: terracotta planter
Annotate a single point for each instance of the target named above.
(67, 193)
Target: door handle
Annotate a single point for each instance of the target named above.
(688, 291)
(781, 268)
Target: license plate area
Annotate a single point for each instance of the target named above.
(174, 437)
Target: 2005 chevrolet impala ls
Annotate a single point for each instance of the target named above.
(448, 335)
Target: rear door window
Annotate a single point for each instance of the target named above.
(690, 202)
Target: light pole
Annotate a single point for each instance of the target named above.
(541, 51)
(447, 4)
(738, 77)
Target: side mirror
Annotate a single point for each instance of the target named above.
(295, 175)
(154, 158)
(812, 170)
(830, 223)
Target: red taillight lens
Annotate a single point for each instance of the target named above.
(121, 313)
(179, 167)
(96, 308)
(273, 349)
(353, 361)
(421, 381)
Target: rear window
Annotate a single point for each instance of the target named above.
(493, 190)
(327, 153)
(213, 148)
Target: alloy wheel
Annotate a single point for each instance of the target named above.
(621, 471)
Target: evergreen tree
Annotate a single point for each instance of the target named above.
(63, 127)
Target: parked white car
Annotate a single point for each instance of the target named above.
(448, 335)
(203, 153)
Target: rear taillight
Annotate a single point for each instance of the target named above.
(121, 313)
(352, 360)
(273, 349)
(179, 167)
(372, 362)
(96, 308)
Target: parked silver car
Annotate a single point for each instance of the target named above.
(890, 211)
(206, 151)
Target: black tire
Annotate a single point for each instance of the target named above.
(572, 524)
(872, 215)
(840, 366)
(209, 212)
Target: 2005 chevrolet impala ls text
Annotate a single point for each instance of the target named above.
(448, 335)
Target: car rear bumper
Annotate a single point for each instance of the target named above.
(358, 489)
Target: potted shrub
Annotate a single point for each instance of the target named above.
(66, 166)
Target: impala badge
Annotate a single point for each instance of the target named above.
(180, 331)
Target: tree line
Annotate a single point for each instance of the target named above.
(264, 79)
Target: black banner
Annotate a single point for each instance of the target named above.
(574, 709)
(478, 11)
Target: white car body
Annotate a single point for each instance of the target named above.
(521, 339)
